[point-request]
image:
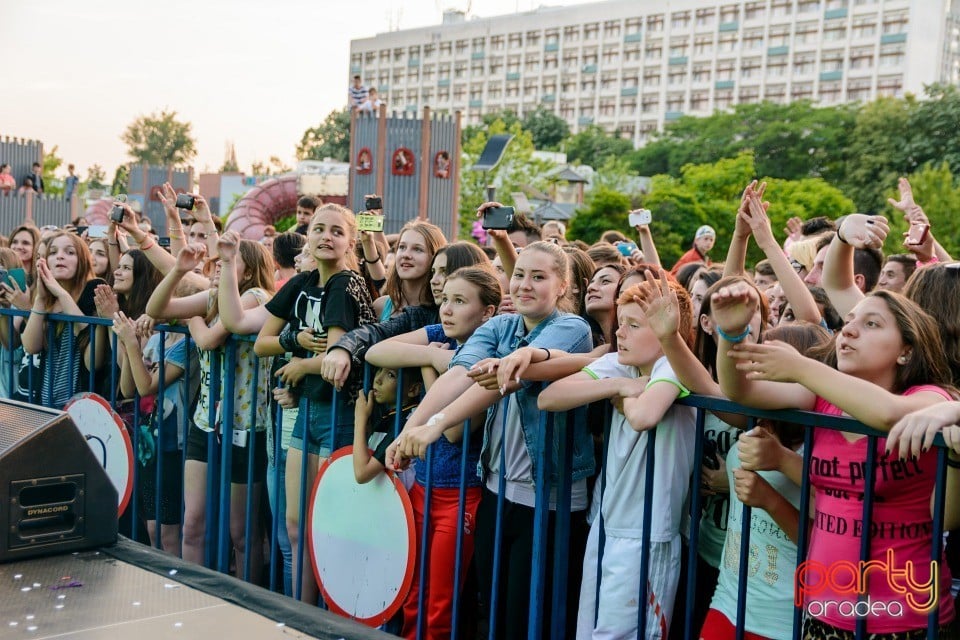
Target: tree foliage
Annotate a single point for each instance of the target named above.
(52, 162)
(605, 209)
(517, 168)
(160, 139)
(546, 128)
(593, 146)
(329, 139)
(96, 177)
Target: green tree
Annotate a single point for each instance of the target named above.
(878, 155)
(794, 141)
(507, 116)
(592, 146)
(160, 139)
(547, 129)
(517, 168)
(51, 162)
(120, 180)
(605, 209)
(932, 130)
(96, 177)
(329, 139)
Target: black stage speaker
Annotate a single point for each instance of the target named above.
(55, 495)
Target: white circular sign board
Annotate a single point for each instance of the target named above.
(362, 541)
(108, 439)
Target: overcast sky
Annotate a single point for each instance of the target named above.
(252, 72)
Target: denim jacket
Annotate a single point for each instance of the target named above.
(501, 336)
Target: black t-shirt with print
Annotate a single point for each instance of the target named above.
(343, 302)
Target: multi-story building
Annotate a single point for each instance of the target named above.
(631, 66)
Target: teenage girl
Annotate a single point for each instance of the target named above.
(470, 297)
(65, 284)
(408, 282)
(253, 267)
(316, 307)
(887, 362)
(538, 286)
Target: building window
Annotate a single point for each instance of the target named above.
(608, 81)
(891, 87)
(781, 8)
(729, 13)
(723, 99)
(779, 36)
(677, 76)
(831, 61)
(776, 93)
(680, 20)
(608, 108)
(550, 62)
(649, 105)
(891, 55)
(754, 10)
(630, 80)
(706, 17)
(749, 95)
(803, 64)
(651, 78)
(654, 50)
(808, 6)
(675, 102)
(588, 85)
(830, 92)
(591, 31)
(611, 56)
(725, 70)
(895, 23)
(571, 34)
(398, 55)
(633, 25)
(701, 73)
(678, 48)
(727, 43)
(446, 49)
(750, 68)
(632, 54)
(628, 106)
(835, 33)
(864, 27)
(655, 23)
(753, 39)
(611, 29)
(462, 46)
(861, 58)
(801, 91)
(699, 101)
(533, 38)
(703, 45)
(806, 32)
(460, 70)
(515, 40)
(777, 69)
(858, 90)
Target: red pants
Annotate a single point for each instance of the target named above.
(718, 627)
(442, 554)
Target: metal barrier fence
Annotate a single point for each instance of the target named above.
(550, 568)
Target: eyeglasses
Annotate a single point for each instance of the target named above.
(796, 266)
(196, 235)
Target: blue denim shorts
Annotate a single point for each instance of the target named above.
(319, 432)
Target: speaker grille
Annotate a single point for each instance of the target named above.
(18, 420)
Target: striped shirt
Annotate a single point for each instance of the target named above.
(358, 95)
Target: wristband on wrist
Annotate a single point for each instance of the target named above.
(548, 353)
(734, 339)
(840, 222)
(288, 339)
(149, 245)
(953, 464)
(39, 312)
(374, 261)
(933, 260)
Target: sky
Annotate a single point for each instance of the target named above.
(257, 74)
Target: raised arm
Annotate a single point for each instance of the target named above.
(647, 245)
(582, 388)
(168, 197)
(734, 307)
(501, 241)
(853, 231)
(734, 265)
(794, 288)
(162, 304)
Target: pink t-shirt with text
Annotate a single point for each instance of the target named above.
(901, 524)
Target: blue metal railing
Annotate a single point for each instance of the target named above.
(549, 567)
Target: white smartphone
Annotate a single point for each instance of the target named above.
(640, 216)
(97, 231)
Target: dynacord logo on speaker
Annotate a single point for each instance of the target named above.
(46, 511)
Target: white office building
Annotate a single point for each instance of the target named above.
(631, 65)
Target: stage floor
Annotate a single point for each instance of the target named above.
(93, 595)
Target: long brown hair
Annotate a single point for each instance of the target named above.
(146, 278)
(259, 269)
(936, 289)
(84, 272)
(433, 238)
(35, 234)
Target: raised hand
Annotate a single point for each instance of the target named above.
(862, 231)
(734, 306)
(228, 245)
(911, 210)
(755, 215)
(201, 210)
(168, 197)
(48, 282)
(794, 229)
(660, 305)
(191, 257)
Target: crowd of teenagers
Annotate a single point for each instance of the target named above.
(471, 346)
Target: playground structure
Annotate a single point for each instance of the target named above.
(414, 163)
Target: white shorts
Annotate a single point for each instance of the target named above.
(620, 588)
